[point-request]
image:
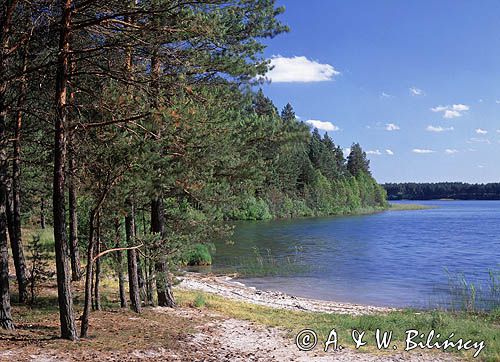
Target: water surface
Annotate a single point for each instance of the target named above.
(394, 258)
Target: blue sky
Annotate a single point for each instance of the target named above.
(417, 83)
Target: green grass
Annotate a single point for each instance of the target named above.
(464, 325)
(409, 207)
(46, 237)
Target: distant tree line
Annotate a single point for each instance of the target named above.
(442, 190)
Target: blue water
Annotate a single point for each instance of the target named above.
(394, 258)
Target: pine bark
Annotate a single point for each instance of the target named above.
(42, 213)
(6, 13)
(16, 240)
(133, 277)
(119, 266)
(76, 268)
(163, 285)
(97, 282)
(65, 299)
(88, 277)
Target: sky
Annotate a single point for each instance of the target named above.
(416, 82)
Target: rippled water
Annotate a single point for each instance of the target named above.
(395, 258)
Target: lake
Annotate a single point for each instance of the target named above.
(394, 258)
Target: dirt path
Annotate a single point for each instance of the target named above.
(233, 340)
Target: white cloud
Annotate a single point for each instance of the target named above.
(479, 140)
(449, 114)
(346, 151)
(480, 166)
(497, 101)
(322, 125)
(438, 129)
(299, 69)
(453, 111)
(386, 95)
(450, 151)
(498, 130)
(460, 107)
(391, 127)
(414, 91)
(375, 152)
(422, 151)
(481, 131)
(389, 152)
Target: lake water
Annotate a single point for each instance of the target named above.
(394, 258)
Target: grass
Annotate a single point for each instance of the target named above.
(409, 207)
(465, 325)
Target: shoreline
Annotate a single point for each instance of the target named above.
(226, 287)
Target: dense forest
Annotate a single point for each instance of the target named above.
(442, 190)
(132, 129)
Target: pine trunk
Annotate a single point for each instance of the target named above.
(6, 13)
(97, 291)
(133, 280)
(119, 266)
(76, 269)
(65, 299)
(88, 278)
(42, 213)
(163, 286)
(16, 240)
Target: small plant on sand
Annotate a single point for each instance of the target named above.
(199, 301)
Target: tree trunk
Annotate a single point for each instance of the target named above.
(119, 266)
(6, 14)
(163, 286)
(88, 278)
(16, 241)
(76, 269)
(141, 279)
(65, 299)
(133, 280)
(17, 251)
(97, 291)
(42, 213)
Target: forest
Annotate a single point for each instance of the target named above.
(136, 131)
(442, 190)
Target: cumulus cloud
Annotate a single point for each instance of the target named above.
(389, 152)
(450, 151)
(481, 131)
(414, 91)
(322, 125)
(391, 127)
(299, 70)
(374, 152)
(451, 111)
(422, 151)
(438, 129)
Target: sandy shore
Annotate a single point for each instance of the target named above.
(229, 288)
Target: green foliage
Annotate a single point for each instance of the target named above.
(251, 208)
(199, 254)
